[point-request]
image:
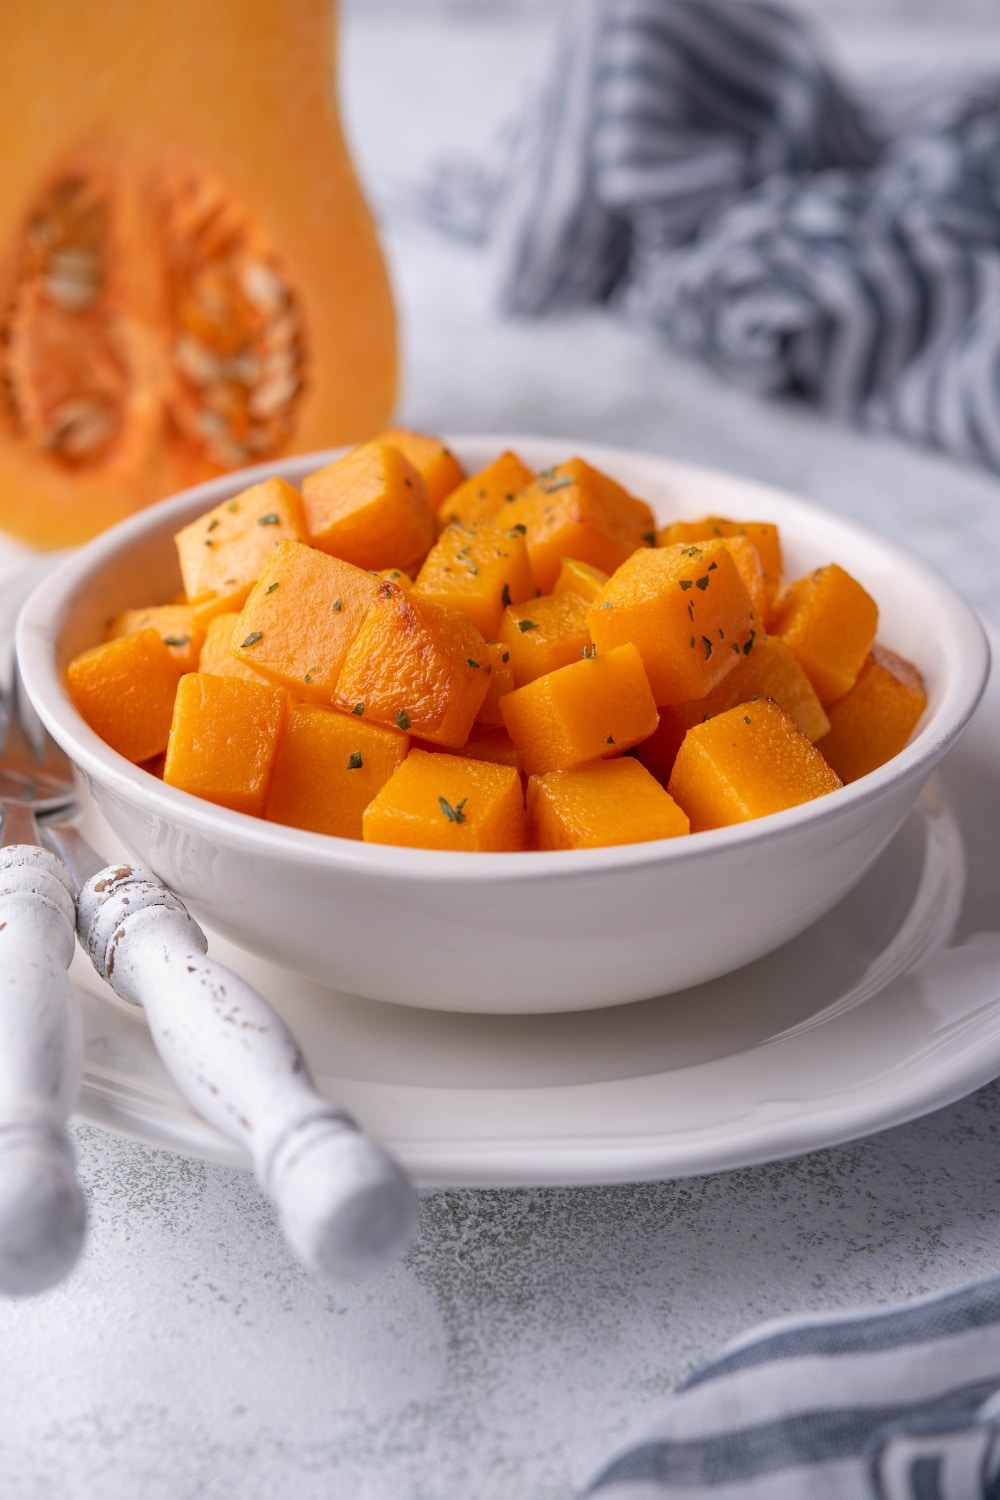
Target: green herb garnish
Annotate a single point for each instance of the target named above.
(708, 646)
(649, 537)
(524, 625)
(403, 719)
(470, 663)
(253, 638)
(354, 763)
(270, 588)
(176, 640)
(336, 606)
(358, 709)
(453, 814)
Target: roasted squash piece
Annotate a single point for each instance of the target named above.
(501, 683)
(223, 740)
(328, 767)
(223, 552)
(576, 577)
(746, 763)
(601, 803)
(481, 500)
(438, 801)
(544, 634)
(770, 670)
(763, 534)
(598, 707)
(431, 457)
(176, 625)
(478, 570)
(829, 621)
(875, 718)
(370, 508)
(125, 690)
(573, 510)
(686, 610)
(297, 626)
(217, 656)
(415, 666)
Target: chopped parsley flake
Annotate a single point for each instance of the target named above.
(253, 638)
(708, 646)
(403, 719)
(749, 645)
(355, 762)
(519, 526)
(213, 523)
(505, 657)
(358, 709)
(702, 583)
(685, 584)
(559, 484)
(270, 588)
(524, 625)
(746, 719)
(589, 652)
(176, 640)
(271, 519)
(470, 663)
(336, 606)
(610, 740)
(453, 814)
(649, 537)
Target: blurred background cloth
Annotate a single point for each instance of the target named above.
(700, 165)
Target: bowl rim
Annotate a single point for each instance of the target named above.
(44, 613)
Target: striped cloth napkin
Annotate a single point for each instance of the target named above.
(899, 1404)
(699, 163)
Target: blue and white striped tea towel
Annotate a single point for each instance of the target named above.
(899, 1404)
(700, 164)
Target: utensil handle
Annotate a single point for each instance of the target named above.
(42, 1209)
(345, 1205)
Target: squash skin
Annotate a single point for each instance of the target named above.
(237, 98)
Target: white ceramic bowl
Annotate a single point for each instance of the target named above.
(511, 932)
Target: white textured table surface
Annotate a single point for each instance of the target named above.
(528, 1331)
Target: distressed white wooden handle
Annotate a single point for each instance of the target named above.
(345, 1205)
(42, 1209)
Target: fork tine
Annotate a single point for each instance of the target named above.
(46, 753)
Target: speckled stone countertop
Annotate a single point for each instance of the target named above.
(528, 1332)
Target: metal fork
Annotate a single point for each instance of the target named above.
(345, 1205)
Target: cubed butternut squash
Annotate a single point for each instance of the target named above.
(301, 617)
(875, 718)
(544, 634)
(223, 740)
(370, 508)
(501, 683)
(415, 666)
(573, 510)
(686, 610)
(176, 624)
(600, 803)
(441, 801)
(125, 690)
(431, 457)
(478, 570)
(764, 535)
(217, 656)
(595, 708)
(829, 620)
(483, 497)
(746, 763)
(328, 767)
(576, 577)
(223, 552)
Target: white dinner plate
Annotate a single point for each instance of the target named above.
(886, 1009)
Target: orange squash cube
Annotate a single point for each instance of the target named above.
(875, 718)
(492, 742)
(125, 690)
(433, 460)
(686, 610)
(478, 570)
(601, 803)
(481, 499)
(223, 740)
(763, 534)
(598, 707)
(217, 657)
(747, 560)
(393, 575)
(501, 683)
(746, 763)
(829, 621)
(437, 801)
(771, 670)
(576, 577)
(370, 508)
(576, 511)
(327, 769)
(544, 634)
(223, 552)
(176, 625)
(415, 666)
(297, 626)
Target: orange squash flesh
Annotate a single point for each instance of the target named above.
(478, 570)
(596, 708)
(221, 554)
(763, 535)
(686, 610)
(544, 634)
(327, 769)
(216, 656)
(875, 718)
(223, 740)
(770, 670)
(501, 683)
(576, 577)
(370, 508)
(481, 499)
(125, 690)
(829, 621)
(433, 459)
(573, 510)
(439, 801)
(175, 624)
(601, 803)
(207, 290)
(415, 666)
(744, 764)
(298, 624)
